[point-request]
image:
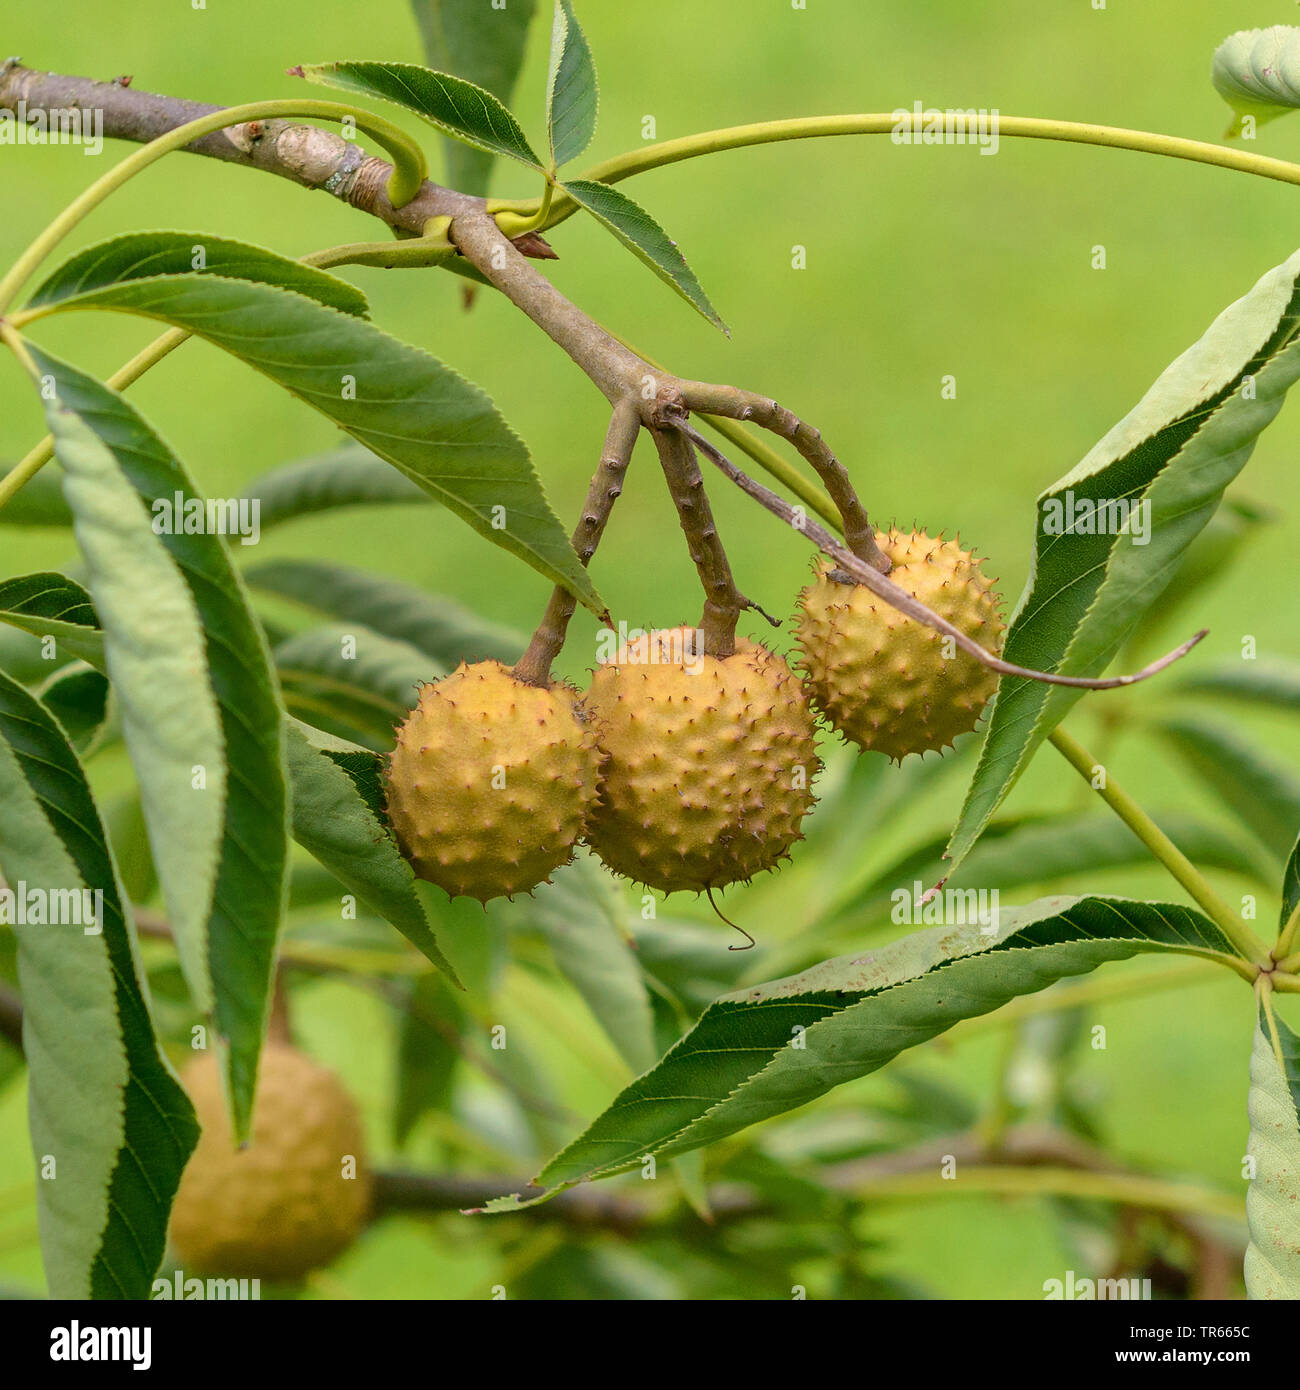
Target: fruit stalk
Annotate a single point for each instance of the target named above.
(722, 600)
(1163, 848)
(534, 667)
(904, 602)
(735, 403)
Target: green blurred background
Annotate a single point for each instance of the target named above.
(920, 263)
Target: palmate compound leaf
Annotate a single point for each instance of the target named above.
(1257, 72)
(200, 711)
(1273, 1255)
(571, 93)
(1099, 561)
(484, 44)
(105, 1108)
(771, 1048)
(438, 429)
(645, 238)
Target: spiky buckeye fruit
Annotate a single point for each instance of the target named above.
(491, 781)
(283, 1205)
(710, 762)
(882, 679)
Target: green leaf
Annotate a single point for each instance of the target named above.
(21, 656)
(334, 822)
(77, 696)
(766, 1050)
(1042, 850)
(354, 678)
(1259, 791)
(1257, 72)
(144, 255)
(1208, 559)
(350, 476)
(483, 44)
(645, 238)
(1177, 451)
(104, 1105)
(571, 94)
(402, 404)
(1290, 886)
(200, 713)
(436, 626)
(687, 959)
(584, 917)
(129, 837)
(1274, 682)
(1273, 1255)
(39, 502)
(50, 605)
(458, 108)
(428, 1052)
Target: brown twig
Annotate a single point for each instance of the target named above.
(304, 154)
(606, 486)
(616, 370)
(722, 600)
(864, 574)
(1027, 1146)
(316, 158)
(737, 404)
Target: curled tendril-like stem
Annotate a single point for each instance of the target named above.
(897, 598)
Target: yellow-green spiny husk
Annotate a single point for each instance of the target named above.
(491, 781)
(710, 762)
(884, 680)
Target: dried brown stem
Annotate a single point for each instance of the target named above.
(722, 600)
(898, 598)
(534, 666)
(616, 370)
(738, 404)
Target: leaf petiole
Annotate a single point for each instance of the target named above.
(886, 123)
(1248, 945)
